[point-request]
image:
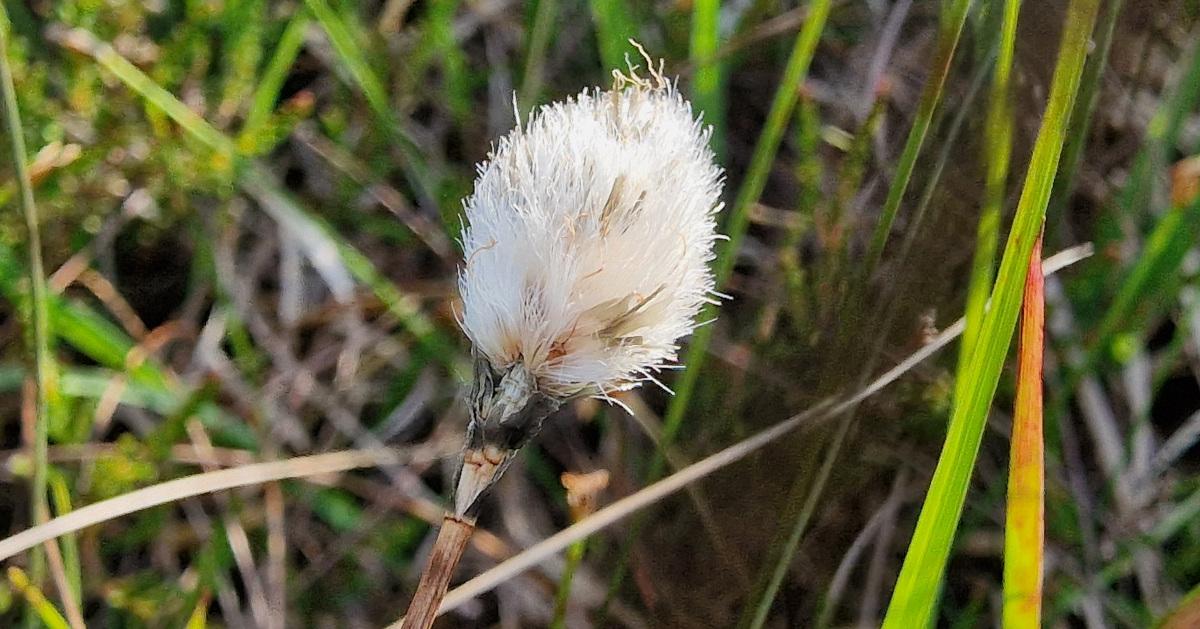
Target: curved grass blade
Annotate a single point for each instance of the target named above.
(209, 482)
(1024, 526)
(271, 83)
(915, 595)
(42, 607)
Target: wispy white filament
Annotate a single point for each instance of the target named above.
(588, 239)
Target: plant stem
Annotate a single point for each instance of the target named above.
(39, 317)
(574, 558)
(447, 551)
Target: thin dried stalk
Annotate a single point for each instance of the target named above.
(206, 483)
(447, 551)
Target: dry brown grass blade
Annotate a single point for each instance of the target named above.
(651, 494)
(208, 482)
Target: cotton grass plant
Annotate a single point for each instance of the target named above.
(587, 246)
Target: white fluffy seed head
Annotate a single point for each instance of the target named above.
(588, 239)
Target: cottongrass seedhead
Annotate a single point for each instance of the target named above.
(587, 245)
(588, 239)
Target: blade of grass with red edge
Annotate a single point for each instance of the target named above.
(914, 599)
(1024, 524)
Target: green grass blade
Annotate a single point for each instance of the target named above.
(1160, 259)
(1162, 256)
(242, 28)
(933, 182)
(953, 19)
(41, 606)
(1025, 515)
(1174, 233)
(998, 150)
(350, 54)
(535, 54)
(1081, 117)
(438, 42)
(270, 84)
(707, 94)
(755, 615)
(615, 26)
(86, 43)
(61, 493)
(575, 554)
(38, 317)
(915, 595)
(1185, 614)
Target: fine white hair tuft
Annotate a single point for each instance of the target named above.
(588, 239)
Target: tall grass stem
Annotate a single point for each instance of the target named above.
(38, 315)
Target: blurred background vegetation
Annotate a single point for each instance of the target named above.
(249, 213)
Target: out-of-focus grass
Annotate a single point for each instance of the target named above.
(271, 83)
(707, 82)
(1081, 116)
(615, 26)
(737, 220)
(306, 227)
(794, 527)
(350, 53)
(44, 609)
(953, 17)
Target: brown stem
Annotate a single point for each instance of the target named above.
(447, 550)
